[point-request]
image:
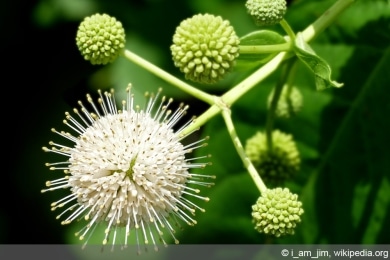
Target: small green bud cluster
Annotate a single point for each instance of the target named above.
(100, 38)
(205, 48)
(266, 12)
(277, 164)
(277, 212)
(289, 103)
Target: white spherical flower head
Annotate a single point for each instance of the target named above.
(128, 168)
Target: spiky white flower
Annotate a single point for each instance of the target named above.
(128, 169)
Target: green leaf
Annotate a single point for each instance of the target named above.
(261, 37)
(350, 190)
(319, 66)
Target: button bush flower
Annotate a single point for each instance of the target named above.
(205, 48)
(277, 212)
(127, 168)
(278, 164)
(100, 38)
(266, 12)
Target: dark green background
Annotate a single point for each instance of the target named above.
(342, 134)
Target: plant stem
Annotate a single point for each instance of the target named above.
(284, 79)
(248, 83)
(326, 19)
(258, 49)
(236, 92)
(286, 27)
(232, 95)
(241, 151)
(320, 24)
(269, 124)
(201, 95)
(201, 120)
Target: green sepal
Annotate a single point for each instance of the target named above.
(319, 66)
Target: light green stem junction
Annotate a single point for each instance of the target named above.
(241, 151)
(244, 86)
(248, 83)
(236, 92)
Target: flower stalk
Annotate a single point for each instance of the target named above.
(326, 19)
(236, 92)
(285, 79)
(259, 49)
(197, 93)
(241, 151)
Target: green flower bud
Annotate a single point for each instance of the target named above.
(280, 163)
(100, 38)
(205, 48)
(289, 103)
(266, 12)
(277, 212)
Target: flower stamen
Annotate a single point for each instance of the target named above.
(127, 168)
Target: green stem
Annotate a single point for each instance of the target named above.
(289, 89)
(248, 83)
(286, 27)
(286, 77)
(326, 19)
(241, 151)
(235, 93)
(244, 86)
(231, 96)
(269, 124)
(201, 120)
(258, 49)
(201, 95)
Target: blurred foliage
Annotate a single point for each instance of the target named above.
(342, 134)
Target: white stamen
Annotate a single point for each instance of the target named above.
(75, 122)
(127, 168)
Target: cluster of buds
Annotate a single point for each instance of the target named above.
(277, 164)
(205, 48)
(266, 12)
(100, 38)
(277, 212)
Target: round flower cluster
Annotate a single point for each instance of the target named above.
(100, 38)
(277, 164)
(127, 168)
(205, 48)
(277, 212)
(266, 12)
(289, 103)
